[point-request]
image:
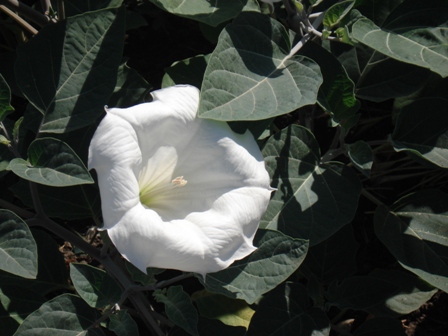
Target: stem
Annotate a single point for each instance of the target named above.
(18, 210)
(370, 197)
(25, 25)
(31, 14)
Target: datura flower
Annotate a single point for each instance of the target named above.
(177, 191)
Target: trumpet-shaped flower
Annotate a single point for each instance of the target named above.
(178, 191)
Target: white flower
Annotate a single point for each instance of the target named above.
(178, 191)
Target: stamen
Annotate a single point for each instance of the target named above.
(179, 181)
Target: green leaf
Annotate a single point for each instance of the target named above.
(5, 99)
(312, 200)
(360, 292)
(361, 156)
(18, 250)
(68, 71)
(131, 89)
(211, 13)
(122, 324)
(332, 259)
(422, 128)
(188, 71)
(144, 278)
(66, 315)
(52, 162)
(336, 13)
(250, 75)
(415, 231)
(229, 311)
(425, 47)
(179, 309)
(336, 94)
(287, 310)
(95, 286)
(412, 293)
(277, 257)
(68, 203)
(384, 326)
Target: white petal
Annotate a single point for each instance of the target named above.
(202, 226)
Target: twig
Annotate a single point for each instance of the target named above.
(25, 25)
(28, 12)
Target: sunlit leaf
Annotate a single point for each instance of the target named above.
(415, 231)
(51, 162)
(251, 77)
(337, 12)
(276, 258)
(312, 200)
(18, 250)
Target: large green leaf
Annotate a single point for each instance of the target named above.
(95, 286)
(276, 258)
(51, 162)
(179, 309)
(422, 128)
(18, 250)
(68, 203)
(251, 77)
(5, 99)
(312, 200)
(66, 315)
(287, 311)
(425, 47)
(206, 11)
(415, 231)
(68, 71)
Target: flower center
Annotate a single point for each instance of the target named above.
(151, 194)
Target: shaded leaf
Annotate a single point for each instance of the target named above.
(75, 7)
(66, 315)
(5, 99)
(336, 94)
(131, 89)
(18, 250)
(287, 311)
(384, 326)
(412, 293)
(208, 327)
(332, 259)
(415, 231)
(361, 156)
(188, 71)
(360, 292)
(122, 324)
(139, 276)
(95, 286)
(51, 162)
(249, 70)
(68, 71)
(422, 128)
(312, 200)
(276, 258)
(178, 308)
(211, 13)
(75, 202)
